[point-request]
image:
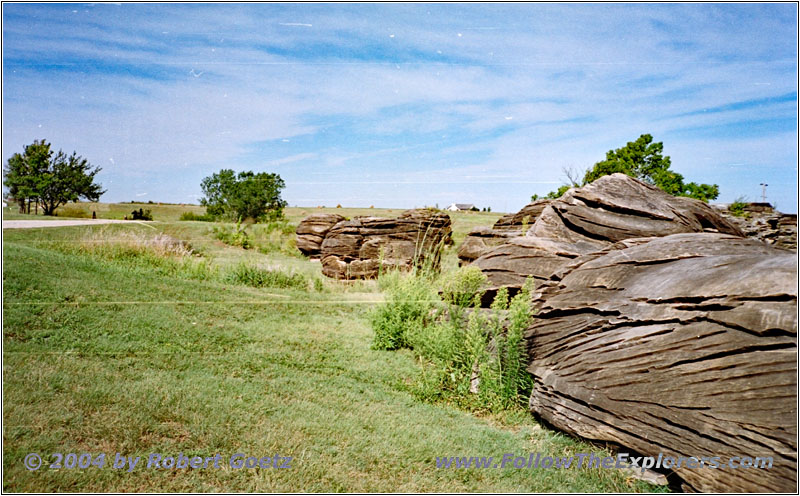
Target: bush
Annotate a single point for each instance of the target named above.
(460, 287)
(476, 361)
(410, 299)
(257, 277)
(195, 217)
(234, 235)
(141, 215)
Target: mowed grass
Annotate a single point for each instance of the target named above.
(106, 356)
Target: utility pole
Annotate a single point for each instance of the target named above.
(764, 192)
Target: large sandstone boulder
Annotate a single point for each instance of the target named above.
(684, 346)
(312, 230)
(587, 219)
(357, 248)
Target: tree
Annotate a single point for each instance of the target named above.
(643, 160)
(50, 179)
(243, 196)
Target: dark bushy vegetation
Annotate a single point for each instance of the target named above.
(141, 214)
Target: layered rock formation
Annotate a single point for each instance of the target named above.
(482, 239)
(762, 222)
(312, 230)
(356, 249)
(587, 219)
(684, 346)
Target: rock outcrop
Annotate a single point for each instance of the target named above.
(356, 249)
(482, 239)
(611, 209)
(312, 230)
(681, 346)
(761, 221)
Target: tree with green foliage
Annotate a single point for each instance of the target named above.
(38, 175)
(244, 196)
(643, 160)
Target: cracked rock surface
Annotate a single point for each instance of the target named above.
(312, 230)
(684, 345)
(611, 209)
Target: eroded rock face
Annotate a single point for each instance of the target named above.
(587, 219)
(684, 345)
(764, 223)
(482, 239)
(525, 217)
(355, 249)
(312, 230)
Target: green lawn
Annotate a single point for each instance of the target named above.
(116, 356)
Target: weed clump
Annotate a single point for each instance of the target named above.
(234, 235)
(258, 277)
(469, 355)
(737, 208)
(195, 217)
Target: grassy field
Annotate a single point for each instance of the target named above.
(112, 350)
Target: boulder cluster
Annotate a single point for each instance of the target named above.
(659, 327)
(361, 247)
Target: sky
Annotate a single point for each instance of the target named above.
(404, 105)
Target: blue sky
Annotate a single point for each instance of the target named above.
(404, 105)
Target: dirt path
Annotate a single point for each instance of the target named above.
(29, 224)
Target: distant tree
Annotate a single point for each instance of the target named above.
(50, 179)
(643, 160)
(243, 196)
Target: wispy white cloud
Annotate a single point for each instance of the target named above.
(175, 92)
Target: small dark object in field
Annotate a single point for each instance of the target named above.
(142, 215)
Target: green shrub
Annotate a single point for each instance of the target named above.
(234, 235)
(410, 298)
(258, 277)
(505, 383)
(460, 287)
(194, 216)
(476, 361)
